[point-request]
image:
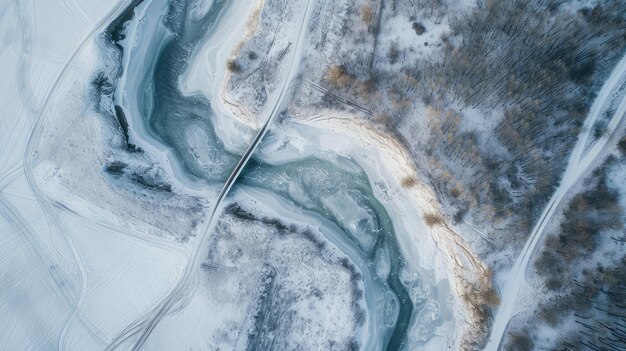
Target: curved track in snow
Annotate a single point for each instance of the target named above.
(30, 159)
(580, 161)
(176, 298)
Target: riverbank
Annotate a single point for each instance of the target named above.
(429, 243)
(427, 240)
(413, 204)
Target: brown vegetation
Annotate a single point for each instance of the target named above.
(384, 119)
(365, 88)
(418, 28)
(233, 66)
(367, 15)
(408, 182)
(432, 219)
(481, 298)
(338, 78)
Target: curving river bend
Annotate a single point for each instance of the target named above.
(147, 51)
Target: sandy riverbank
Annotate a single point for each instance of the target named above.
(437, 246)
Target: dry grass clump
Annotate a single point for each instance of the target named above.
(365, 88)
(367, 15)
(408, 182)
(337, 76)
(233, 66)
(386, 121)
(432, 219)
(480, 298)
(455, 192)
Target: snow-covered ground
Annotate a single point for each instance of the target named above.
(69, 280)
(275, 211)
(107, 234)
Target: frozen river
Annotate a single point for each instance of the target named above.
(158, 220)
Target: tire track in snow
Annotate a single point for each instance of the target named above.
(29, 160)
(57, 279)
(23, 69)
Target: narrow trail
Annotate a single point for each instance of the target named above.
(184, 287)
(56, 279)
(23, 69)
(30, 159)
(579, 164)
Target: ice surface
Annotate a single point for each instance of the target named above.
(113, 157)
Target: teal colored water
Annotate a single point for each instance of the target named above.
(338, 194)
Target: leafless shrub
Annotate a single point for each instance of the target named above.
(233, 66)
(520, 341)
(418, 28)
(393, 53)
(367, 15)
(622, 145)
(408, 182)
(384, 119)
(337, 76)
(432, 219)
(365, 88)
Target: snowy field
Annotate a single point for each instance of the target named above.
(263, 175)
(119, 230)
(70, 279)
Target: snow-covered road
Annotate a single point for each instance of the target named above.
(579, 164)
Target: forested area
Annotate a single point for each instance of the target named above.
(502, 96)
(538, 62)
(582, 268)
(490, 111)
(488, 96)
